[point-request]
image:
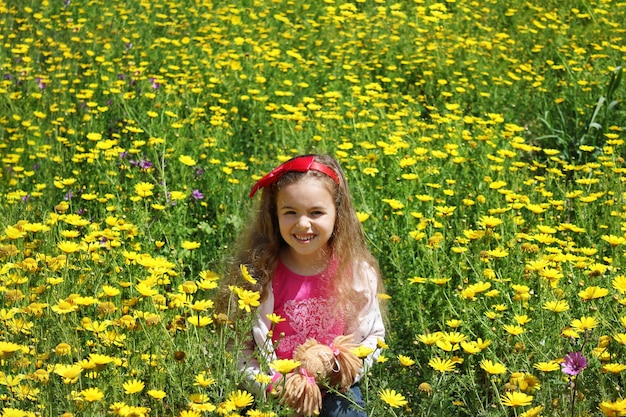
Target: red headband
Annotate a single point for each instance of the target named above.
(299, 164)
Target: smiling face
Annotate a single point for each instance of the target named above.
(306, 219)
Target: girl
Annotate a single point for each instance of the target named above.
(307, 251)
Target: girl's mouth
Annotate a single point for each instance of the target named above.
(304, 238)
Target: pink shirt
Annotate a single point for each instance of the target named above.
(303, 302)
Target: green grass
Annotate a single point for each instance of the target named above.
(484, 140)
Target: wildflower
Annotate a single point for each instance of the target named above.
(275, 318)
(202, 305)
(425, 387)
(69, 373)
(613, 408)
(547, 366)
(614, 368)
(92, 394)
(614, 240)
(573, 363)
(593, 292)
(362, 351)
(405, 360)
(199, 321)
(492, 368)
(14, 412)
(513, 329)
(157, 394)
(144, 189)
(7, 348)
(133, 386)
(557, 306)
(64, 307)
(516, 399)
(63, 349)
(189, 245)
(203, 380)
(187, 160)
(489, 222)
(392, 398)
(247, 299)
(240, 398)
(284, 366)
(441, 365)
(584, 323)
(619, 338)
(619, 283)
(470, 348)
(68, 247)
(246, 275)
(362, 216)
(197, 195)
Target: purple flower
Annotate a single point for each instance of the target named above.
(197, 195)
(573, 363)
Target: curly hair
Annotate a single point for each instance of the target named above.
(260, 245)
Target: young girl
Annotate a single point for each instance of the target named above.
(308, 253)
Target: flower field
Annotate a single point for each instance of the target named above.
(483, 143)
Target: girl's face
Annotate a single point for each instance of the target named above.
(306, 218)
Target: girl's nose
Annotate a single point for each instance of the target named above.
(304, 222)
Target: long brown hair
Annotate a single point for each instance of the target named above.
(261, 242)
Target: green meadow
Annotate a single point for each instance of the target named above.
(483, 143)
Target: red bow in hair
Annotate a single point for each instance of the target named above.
(299, 164)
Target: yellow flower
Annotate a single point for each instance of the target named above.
(430, 339)
(489, 222)
(516, 399)
(513, 329)
(68, 247)
(613, 408)
(92, 394)
(405, 360)
(614, 368)
(6, 348)
(557, 306)
(190, 245)
(247, 299)
(441, 365)
(547, 366)
(157, 394)
(584, 323)
(593, 292)
(614, 240)
(492, 368)
(275, 318)
(392, 398)
(362, 216)
(240, 398)
(63, 349)
(246, 275)
(199, 321)
(619, 338)
(619, 283)
(133, 386)
(284, 366)
(69, 373)
(362, 351)
(144, 189)
(187, 160)
(204, 380)
(202, 305)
